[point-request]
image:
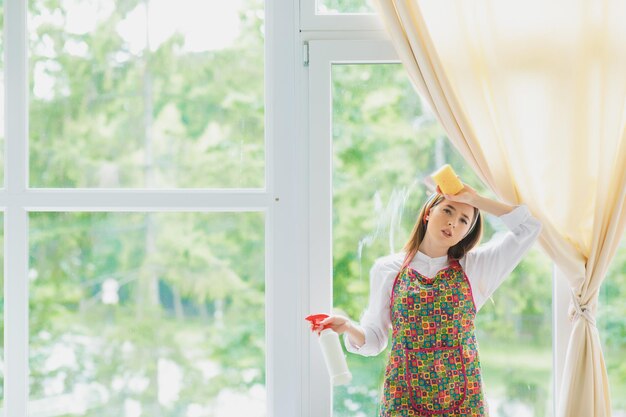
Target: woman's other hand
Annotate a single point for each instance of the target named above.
(339, 324)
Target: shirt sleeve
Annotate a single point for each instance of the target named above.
(376, 319)
(489, 264)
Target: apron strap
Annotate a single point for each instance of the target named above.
(405, 263)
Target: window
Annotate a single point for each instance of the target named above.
(161, 183)
(145, 313)
(151, 95)
(139, 200)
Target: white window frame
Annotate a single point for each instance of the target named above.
(322, 54)
(282, 202)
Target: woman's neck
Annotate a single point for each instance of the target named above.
(434, 251)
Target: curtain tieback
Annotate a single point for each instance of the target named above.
(582, 311)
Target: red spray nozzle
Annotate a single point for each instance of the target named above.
(315, 320)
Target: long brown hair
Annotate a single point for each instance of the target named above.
(471, 239)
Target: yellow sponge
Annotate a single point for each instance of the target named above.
(446, 179)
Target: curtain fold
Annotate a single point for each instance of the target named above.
(533, 95)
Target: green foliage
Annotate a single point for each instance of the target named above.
(209, 309)
(612, 327)
(167, 117)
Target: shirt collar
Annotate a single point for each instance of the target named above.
(419, 256)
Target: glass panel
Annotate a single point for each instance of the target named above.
(146, 94)
(612, 328)
(514, 329)
(158, 314)
(344, 6)
(385, 141)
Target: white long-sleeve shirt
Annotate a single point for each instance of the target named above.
(486, 266)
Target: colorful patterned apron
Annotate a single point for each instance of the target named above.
(433, 366)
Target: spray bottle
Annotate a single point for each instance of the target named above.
(331, 349)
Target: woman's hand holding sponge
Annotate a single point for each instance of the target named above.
(447, 180)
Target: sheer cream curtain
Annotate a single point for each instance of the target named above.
(533, 95)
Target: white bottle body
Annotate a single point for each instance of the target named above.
(334, 357)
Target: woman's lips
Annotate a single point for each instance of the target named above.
(446, 233)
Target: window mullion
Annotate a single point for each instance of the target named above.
(16, 311)
(16, 93)
(138, 200)
(16, 217)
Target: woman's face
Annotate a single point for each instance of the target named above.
(449, 222)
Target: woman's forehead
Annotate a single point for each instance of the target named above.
(460, 207)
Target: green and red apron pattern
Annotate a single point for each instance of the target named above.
(433, 367)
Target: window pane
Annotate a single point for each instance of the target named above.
(514, 329)
(384, 143)
(136, 314)
(146, 94)
(612, 328)
(344, 6)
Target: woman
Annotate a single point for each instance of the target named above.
(429, 295)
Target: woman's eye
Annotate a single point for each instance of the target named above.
(464, 221)
(447, 211)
